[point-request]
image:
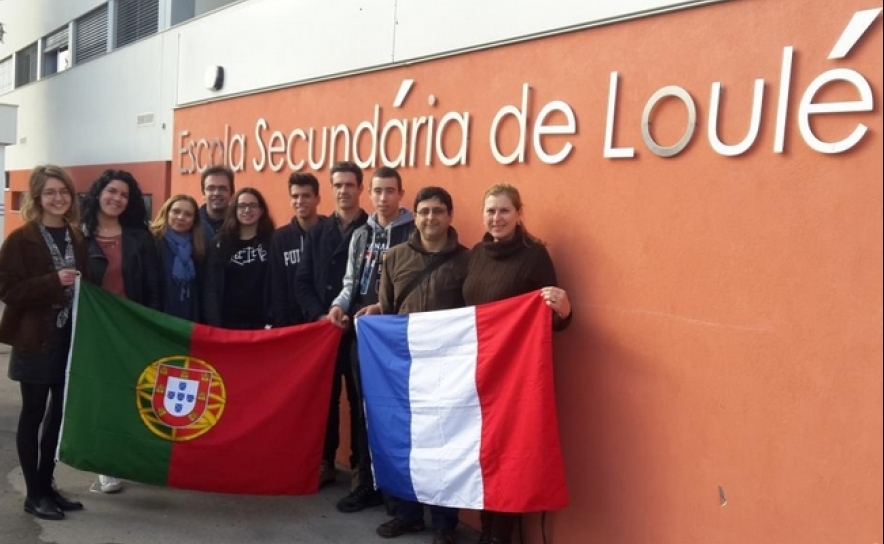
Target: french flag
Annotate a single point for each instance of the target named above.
(460, 406)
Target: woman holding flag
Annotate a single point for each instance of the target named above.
(509, 261)
(122, 254)
(39, 264)
(181, 250)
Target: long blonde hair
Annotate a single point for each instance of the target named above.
(160, 224)
(511, 192)
(32, 210)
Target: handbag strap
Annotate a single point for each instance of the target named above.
(433, 265)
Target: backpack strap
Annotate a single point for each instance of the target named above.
(433, 265)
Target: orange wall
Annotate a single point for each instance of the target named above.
(153, 178)
(728, 310)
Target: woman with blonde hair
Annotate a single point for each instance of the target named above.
(508, 262)
(39, 263)
(181, 252)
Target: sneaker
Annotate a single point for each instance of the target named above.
(359, 499)
(396, 527)
(444, 536)
(327, 473)
(106, 484)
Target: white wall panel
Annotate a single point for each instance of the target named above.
(88, 115)
(266, 43)
(430, 28)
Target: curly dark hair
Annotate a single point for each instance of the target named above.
(134, 216)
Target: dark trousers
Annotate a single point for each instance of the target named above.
(441, 517)
(36, 452)
(361, 435)
(343, 369)
(499, 525)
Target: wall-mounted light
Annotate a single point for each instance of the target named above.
(214, 79)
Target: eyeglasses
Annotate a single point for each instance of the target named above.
(52, 193)
(217, 189)
(425, 212)
(246, 206)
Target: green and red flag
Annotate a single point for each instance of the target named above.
(156, 399)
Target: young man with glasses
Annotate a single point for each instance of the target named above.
(423, 275)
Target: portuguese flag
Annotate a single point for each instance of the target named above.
(163, 401)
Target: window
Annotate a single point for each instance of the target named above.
(136, 19)
(6, 75)
(18, 198)
(56, 52)
(26, 65)
(91, 35)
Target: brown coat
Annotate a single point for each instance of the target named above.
(440, 290)
(30, 287)
(500, 270)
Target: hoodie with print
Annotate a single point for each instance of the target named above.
(366, 256)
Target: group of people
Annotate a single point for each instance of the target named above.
(225, 264)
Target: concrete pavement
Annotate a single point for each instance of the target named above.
(142, 514)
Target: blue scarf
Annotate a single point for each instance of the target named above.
(183, 271)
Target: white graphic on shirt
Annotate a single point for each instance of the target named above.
(249, 255)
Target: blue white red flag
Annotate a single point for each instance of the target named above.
(460, 406)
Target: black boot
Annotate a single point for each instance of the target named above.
(43, 508)
(63, 503)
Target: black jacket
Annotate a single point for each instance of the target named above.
(286, 254)
(140, 269)
(211, 227)
(214, 284)
(323, 264)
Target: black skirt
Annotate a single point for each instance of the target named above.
(43, 368)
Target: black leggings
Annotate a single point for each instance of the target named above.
(36, 452)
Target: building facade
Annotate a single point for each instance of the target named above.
(707, 176)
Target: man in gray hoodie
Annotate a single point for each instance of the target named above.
(389, 225)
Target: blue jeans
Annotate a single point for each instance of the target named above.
(441, 517)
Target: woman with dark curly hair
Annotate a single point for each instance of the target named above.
(39, 263)
(122, 254)
(236, 279)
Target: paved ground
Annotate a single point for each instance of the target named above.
(148, 515)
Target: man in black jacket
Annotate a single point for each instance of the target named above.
(318, 281)
(287, 248)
